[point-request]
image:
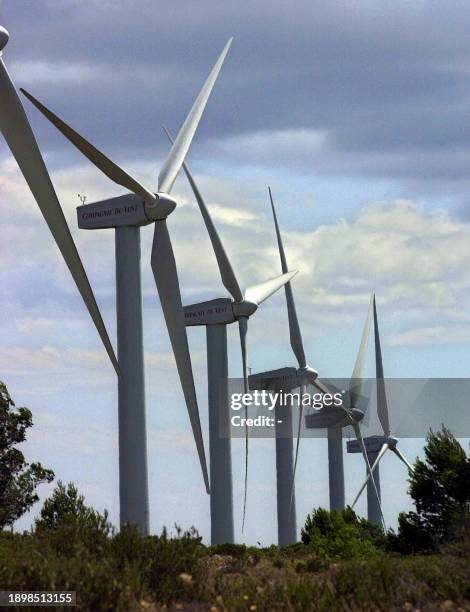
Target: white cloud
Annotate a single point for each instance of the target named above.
(274, 145)
(31, 325)
(416, 260)
(438, 335)
(35, 72)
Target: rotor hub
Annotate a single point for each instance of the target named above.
(163, 206)
(244, 308)
(357, 414)
(306, 375)
(4, 36)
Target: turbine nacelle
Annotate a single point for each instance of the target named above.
(283, 379)
(128, 210)
(212, 312)
(332, 417)
(373, 444)
(4, 36)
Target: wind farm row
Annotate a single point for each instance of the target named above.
(139, 207)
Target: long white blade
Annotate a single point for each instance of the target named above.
(355, 384)
(357, 431)
(403, 458)
(108, 167)
(258, 293)
(227, 274)
(382, 408)
(166, 278)
(294, 328)
(15, 127)
(375, 464)
(299, 429)
(180, 147)
(243, 329)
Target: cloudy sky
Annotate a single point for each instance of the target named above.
(356, 114)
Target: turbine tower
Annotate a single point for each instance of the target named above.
(127, 213)
(337, 417)
(19, 136)
(215, 315)
(377, 446)
(286, 379)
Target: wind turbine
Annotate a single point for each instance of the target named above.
(215, 315)
(19, 136)
(348, 413)
(286, 379)
(377, 446)
(127, 214)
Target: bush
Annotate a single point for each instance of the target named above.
(176, 565)
(341, 534)
(29, 562)
(70, 526)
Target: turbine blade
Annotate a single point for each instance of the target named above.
(227, 274)
(382, 408)
(294, 328)
(258, 293)
(357, 431)
(180, 147)
(321, 386)
(299, 428)
(376, 462)
(108, 167)
(20, 138)
(355, 384)
(403, 458)
(243, 329)
(166, 278)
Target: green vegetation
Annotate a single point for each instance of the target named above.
(341, 534)
(18, 479)
(342, 563)
(131, 573)
(440, 488)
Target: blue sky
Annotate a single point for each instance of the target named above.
(355, 114)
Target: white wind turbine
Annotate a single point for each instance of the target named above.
(285, 379)
(17, 132)
(126, 214)
(215, 315)
(349, 413)
(377, 446)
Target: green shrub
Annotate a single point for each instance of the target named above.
(176, 565)
(340, 534)
(228, 549)
(29, 562)
(69, 526)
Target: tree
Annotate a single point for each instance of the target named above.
(440, 488)
(67, 507)
(69, 524)
(18, 479)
